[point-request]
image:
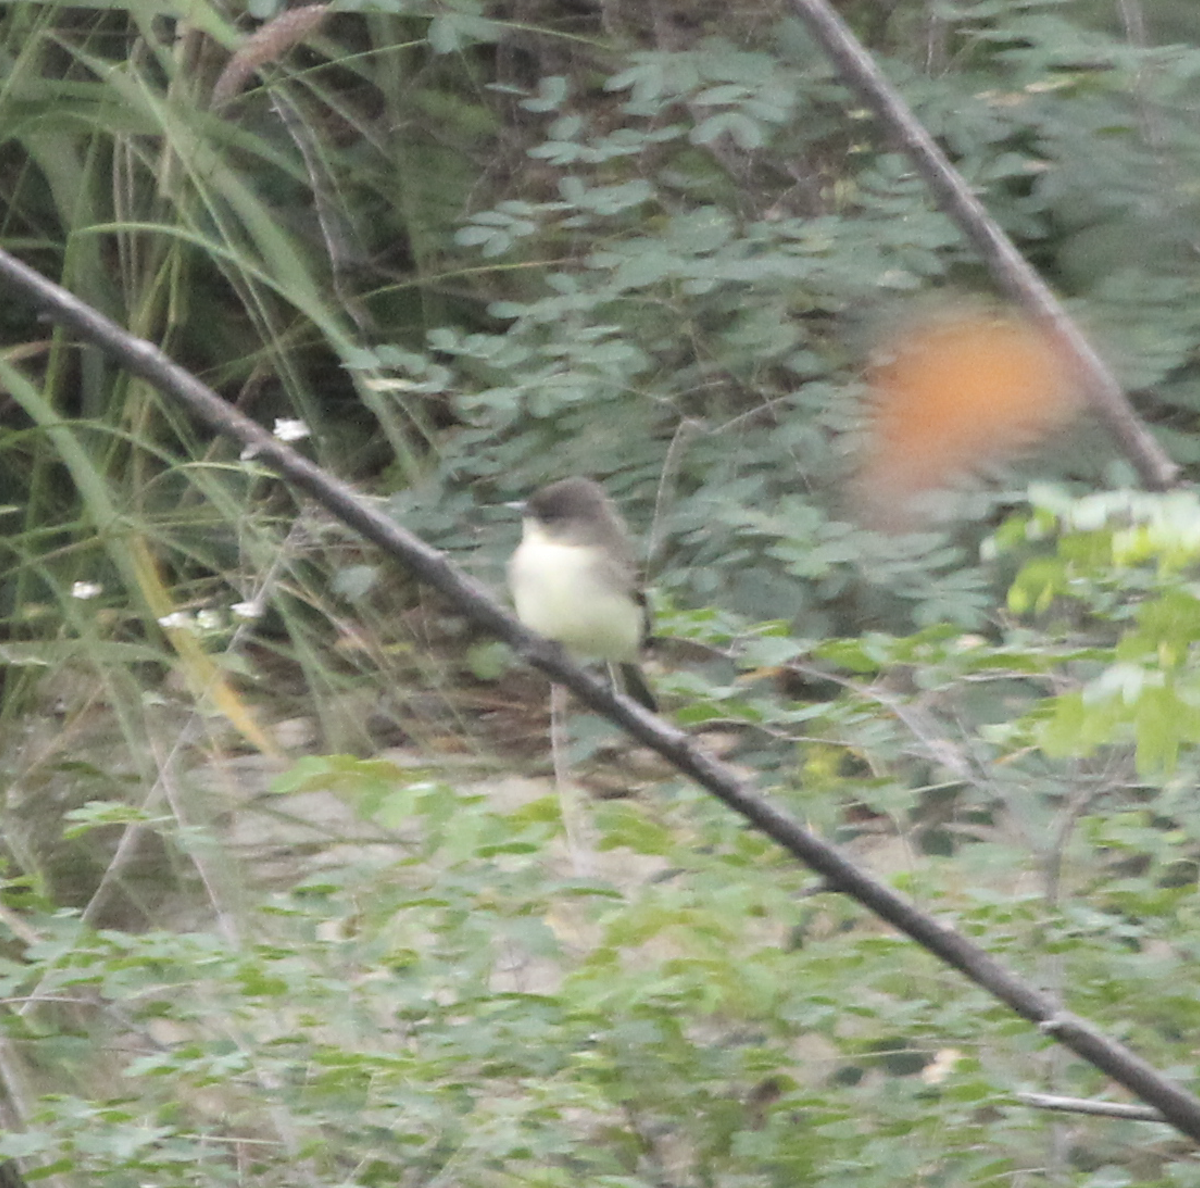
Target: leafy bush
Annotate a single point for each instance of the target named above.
(533, 255)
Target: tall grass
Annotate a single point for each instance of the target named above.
(263, 242)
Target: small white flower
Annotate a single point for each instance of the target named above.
(289, 429)
(209, 620)
(85, 590)
(176, 621)
(247, 610)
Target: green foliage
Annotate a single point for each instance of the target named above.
(405, 1019)
(1123, 560)
(474, 255)
(696, 343)
(451, 1004)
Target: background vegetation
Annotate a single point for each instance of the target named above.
(475, 248)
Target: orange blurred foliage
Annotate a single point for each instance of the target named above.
(951, 395)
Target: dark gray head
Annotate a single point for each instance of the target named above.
(576, 510)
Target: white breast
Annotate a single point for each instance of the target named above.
(559, 593)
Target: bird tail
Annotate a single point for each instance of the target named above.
(633, 684)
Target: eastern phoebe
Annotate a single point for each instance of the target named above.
(574, 579)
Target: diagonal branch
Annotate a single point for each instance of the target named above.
(1178, 1107)
(1010, 269)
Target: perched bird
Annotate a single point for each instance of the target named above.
(574, 579)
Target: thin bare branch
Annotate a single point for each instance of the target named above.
(1084, 1105)
(1011, 271)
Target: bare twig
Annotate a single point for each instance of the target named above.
(1011, 271)
(1178, 1107)
(333, 227)
(1084, 1105)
